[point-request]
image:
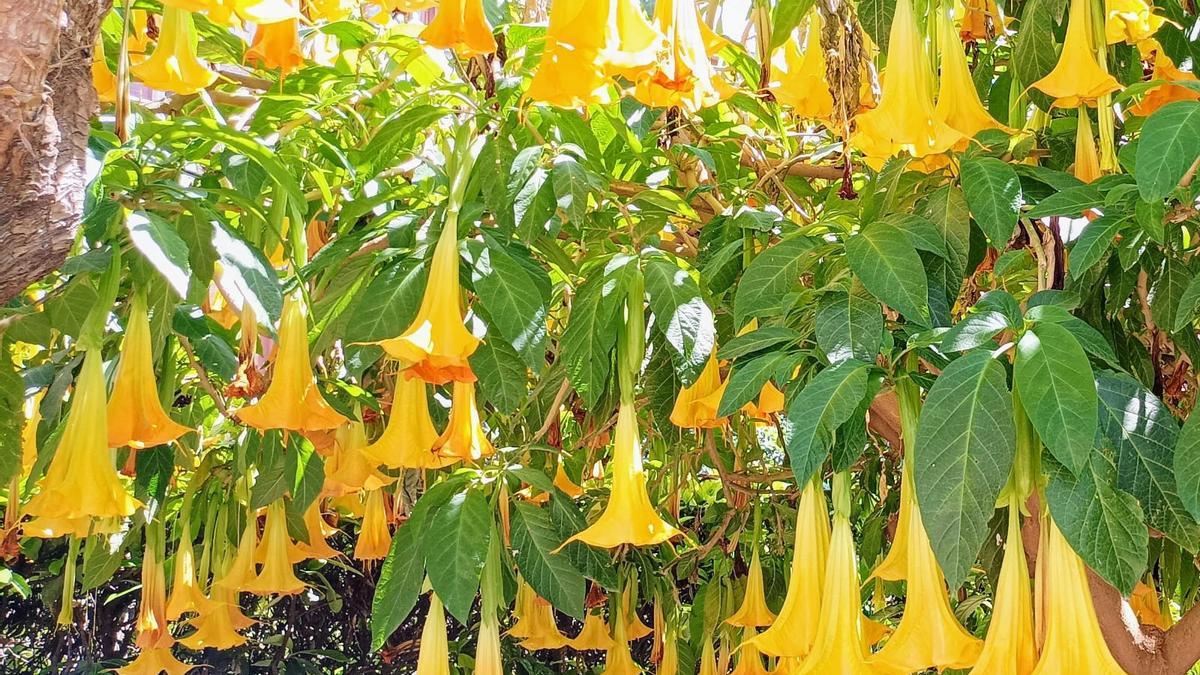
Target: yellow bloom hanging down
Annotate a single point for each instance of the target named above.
(1010, 648)
(151, 623)
(186, 593)
(793, 632)
(240, 570)
(958, 103)
(749, 659)
(1077, 79)
(982, 20)
(629, 517)
(594, 634)
(318, 530)
(619, 660)
(798, 73)
(754, 611)
(262, 12)
(1087, 159)
(276, 574)
(154, 662)
(461, 25)
(293, 400)
(407, 441)
(895, 565)
(436, 345)
(1073, 641)
(173, 66)
(905, 120)
(81, 487)
(1130, 21)
(488, 660)
(329, 10)
(683, 74)
(104, 80)
(135, 413)
(541, 631)
(1164, 69)
(464, 438)
(1145, 604)
(374, 537)
(277, 45)
(349, 468)
(434, 657)
(696, 406)
(217, 627)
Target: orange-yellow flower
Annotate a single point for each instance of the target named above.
(317, 547)
(1077, 79)
(1087, 159)
(571, 74)
(151, 625)
(631, 624)
(135, 413)
(407, 442)
(563, 482)
(749, 659)
(905, 120)
(488, 660)
(1130, 21)
(434, 657)
(542, 630)
(1146, 607)
(1164, 69)
(1009, 648)
(461, 25)
(798, 73)
(293, 400)
(217, 626)
(349, 468)
(696, 406)
(464, 438)
(103, 78)
(895, 565)
(263, 12)
(277, 45)
(436, 345)
(593, 636)
(619, 660)
(982, 20)
(173, 66)
(240, 570)
(81, 484)
(683, 74)
(628, 518)
(374, 537)
(754, 611)
(153, 661)
(276, 574)
(329, 10)
(958, 103)
(186, 593)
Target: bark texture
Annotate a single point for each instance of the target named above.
(46, 104)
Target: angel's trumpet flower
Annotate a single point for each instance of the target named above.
(374, 537)
(523, 621)
(619, 660)
(261, 12)
(929, 635)
(904, 121)
(1077, 79)
(895, 565)
(407, 442)
(798, 73)
(81, 484)
(958, 103)
(437, 344)
(754, 611)
(241, 569)
(317, 546)
(104, 80)
(1130, 21)
(542, 630)
(33, 417)
(461, 25)
(982, 20)
(329, 10)
(631, 43)
(276, 574)
(838, 646)
(571, 74)
(1146, 607)
(632, 625)
(1073, 641)
(464, 438)
(593, 636)
(186, 593)
(696, 406)
(488, 660)
(349, 468)
(1164, 69)
(1087, 159)
(563, 482)
(434, 657)
(154, 661)
(151, 626)
(216, 627)
(277, 45)
(683, 75)
(793, 632)
(293, 401)
(628, 518)
(708, 657)
(670, 656)
(749, 659)
(1009, 648)
(173, 66)
(135, 414)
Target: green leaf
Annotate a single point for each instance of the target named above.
(974, 331)
(399, 585)
(1055, 381)
(1167, 291)
(1189, 302)
(875, 17)
(1187, 465)
(993, 192)
(1089, 338)
(965, 444)
(515, 307)
(502, 375)
(591, 334)
(769, 277)
(573, 184)
(681, 316)
(818, 410)
(1142, 433)
(888, 265)
(1073, 201)
(552, 576)
(455, 546)
(12, 417)
(387, 307)
(849, 327)
(747, 380)
(785, 17)
(162, 247)
(758, 340)
(306, 471)
(1093, 243)
(1034, 54)
(567, 521)
(69, 310)
(1168, 147)
(245, 269)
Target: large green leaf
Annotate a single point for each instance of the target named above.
(573, 185)
(515, 307)
(849, 327)
(1055, 381)
(162, 247)
(681, 315)
(12, 418)
(875, 16)
(247, 270)
(769, 277)
(1169, 286)
(747, 379)
(1168, 147)
(455, 546)
(1187, 465)
(766, 337)
(884, 259)
(591, 332)
(1189, 302)
(386, 308)
(965, 443)
(502, 375)
(1095, 241)
(993, 191)
(552, 576)
(818, 410)
(399, 584)
(975, 330)
(1072, 201)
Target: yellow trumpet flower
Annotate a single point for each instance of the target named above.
(542, 631)
(1087, 159)
(929, 635)
(349, 468)
(434, 657)
(708, 658)
(1077, 79)
(173, 66)
(153, 661)
(631, 624)
(905, 120)
(33, 417)
(798, 73)
(374, 537)
(958, 103)
(318, 530)
(683, 74)
(563, 482)
(523, 622)
(982, 20)
(277, 45)
(754, 611)
(670, 656)
(329, 10)
(407, 441)
(461, 25)
(749, 659)
(1164, 69)
(628, 518)
(631, 44)
(241, 569)
(292, 400)
(262, 12)
(436, 345)
(571, 74)
(135, 413)
(464, 438)
(696, 406)
(593, 636)
(1073, 641)
(104, 80)
(216, 627)
(1009, 648)
(793, 632)
(488, 660)
(81, 485)
(619, 660)
(1130, 21)
(276, 574)
(895, 565)
(186, 592)
(151, 625)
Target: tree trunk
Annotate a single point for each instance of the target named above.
(46, 105)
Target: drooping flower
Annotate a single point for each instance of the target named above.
(349, 468)
(173, 66)
(81, 485)
(464, 438)
(542, 631)
(1009, 648)
(151, 625)
(277, 45)
(1077, 79)
(563, 482)
(461, 25)
(261, 12)
(683, 74)
(318, 530)
(958, 103)
(276, 574)
(33, 417)
(104, 80)
(793, 632)
(1130, 21)
(904, 121)
(1164, 69)
(434, 657)
(628, 518)
(632, 626)
(593, 636)
(798, 73)
(929, 635)
(186, 592)
(407, 441)
(754, 611)
(374, 537)
(1146, 607)
(982, 20)
(571, 74)
(696, 406)
(631, 44)
(240, 570)
(1087, 159)
(329, 10)
(708, 657)
(154, 661)
(619, 660)
(436, 345)
(135, 413)
(488, 660)
(895, 565)
(749, 659)
(293, 401)
(1073, 641)
(670, 655)
(217, 626)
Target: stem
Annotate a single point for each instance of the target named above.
(633, 343)
(66, 613)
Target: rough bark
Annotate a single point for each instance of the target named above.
(46, 104)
